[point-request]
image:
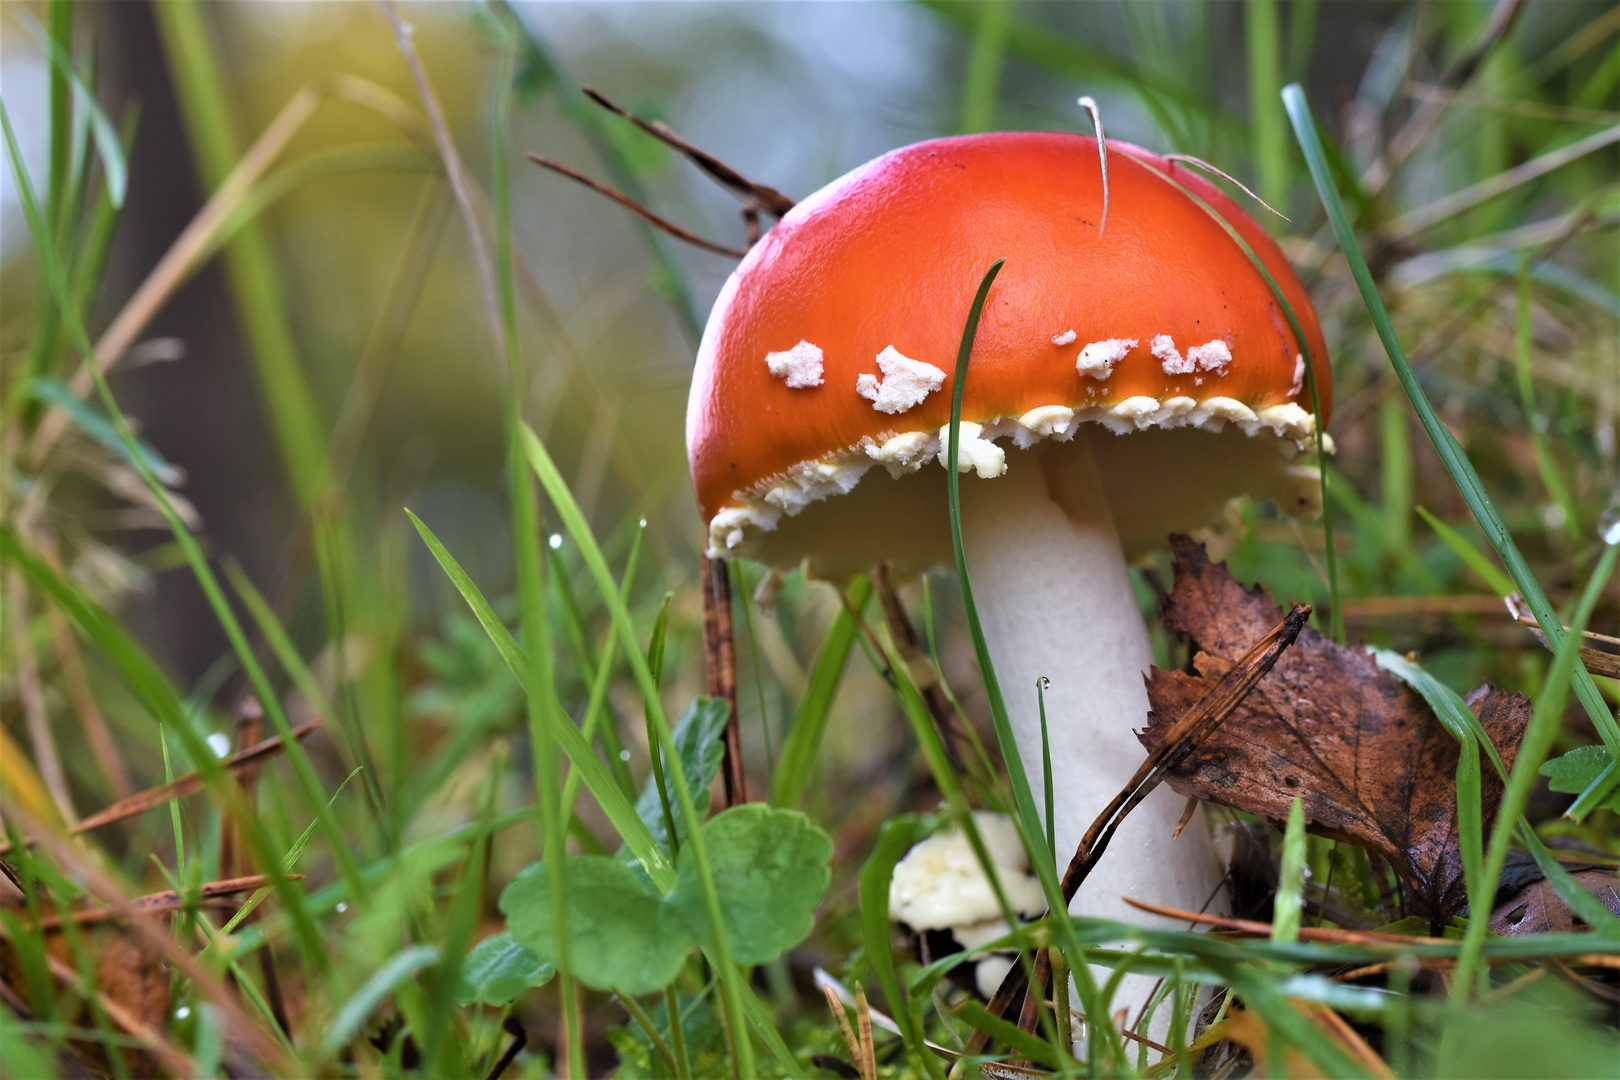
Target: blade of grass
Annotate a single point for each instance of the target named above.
(984, 65)
(1290, 878)
(803, 744)
(655, 665)
(596, 706)
(1536, 423)
(950, 786)
(1538, 740)
(619, 810)
(1026, 818)
(894, 840)
(249, 259)
(1264, 38)
(68, 92)
(1395, 474)
(57, 280)
(573, 520)
(1458, 719)
(743, 591)
(1499, 583)
(1451, 453)
(1046, 771)
(545, 717)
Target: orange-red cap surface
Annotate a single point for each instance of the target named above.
(1159, 319)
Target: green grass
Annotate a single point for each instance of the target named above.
(528, 720)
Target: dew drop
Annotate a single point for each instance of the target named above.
(1609, 526)
(555, 541)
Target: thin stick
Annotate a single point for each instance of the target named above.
(1190, 732)
(720, 664)
(84, 704)
(863, 1017)
(636, 208)
(240, 1029)
(756, 196)
(455, 172)
(844, 1029)
(46, 759)
(1089, 104)
(211, 894)
(189, 783)
(520, 1038)
(1200, 163)
(1306, 933)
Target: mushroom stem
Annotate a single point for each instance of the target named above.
(1055, 600)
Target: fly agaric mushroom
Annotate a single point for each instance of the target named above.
(825, 371)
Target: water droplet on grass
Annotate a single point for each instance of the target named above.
(1609, 525)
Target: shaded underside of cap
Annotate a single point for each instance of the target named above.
(1156, 482)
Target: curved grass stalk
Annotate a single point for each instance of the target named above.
(568, 510)
(56, 279)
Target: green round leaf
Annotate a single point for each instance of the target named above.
(770, 871)
(619, 938)
(500, 969)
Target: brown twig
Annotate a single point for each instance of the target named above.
(211, 894)
(1417, 127)
(1306, 933)
(720, 667)
(189, 783)
(242, 1035)
(635, 208)
(753, 195)
(46, 760)
(1190, 732)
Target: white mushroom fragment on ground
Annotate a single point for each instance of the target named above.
(940, 885)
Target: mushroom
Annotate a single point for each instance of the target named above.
(939, 885)
(1158, 327)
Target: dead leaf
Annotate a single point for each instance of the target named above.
(134, 976)
(1363, 752)
(1537, 909)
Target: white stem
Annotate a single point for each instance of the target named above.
(1055, 599)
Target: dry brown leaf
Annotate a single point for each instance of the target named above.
(133, 975)
(1537, 909)
(1363, 752)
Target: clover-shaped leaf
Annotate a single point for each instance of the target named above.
(770, 871)
(619, 936)
(1573, 772)
(499, 969)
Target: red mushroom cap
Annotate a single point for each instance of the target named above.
(1162, 321)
